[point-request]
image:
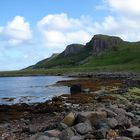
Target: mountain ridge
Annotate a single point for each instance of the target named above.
(100, 47)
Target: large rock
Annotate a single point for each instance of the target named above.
(69, 119)
(132, 132)
(39, 136)
(33, 129)
(101, 133)
(83, 128)
(101, 43)
(77, 138)
(75, 89)
(67, 134)
(111, 122)
(92, 116)
(109, 112)
(123, 138)
(53, 133)
(62, 126)
(123, 121)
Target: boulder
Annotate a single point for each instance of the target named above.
(118, 111)
(123, 121)
(39, 136)
(92, 116)
(52, 133)
(101, 133)
(33, 129)
(66, 134)
(109, 112)
(62, 126)
(54, 138)
(77, 138)
(89, 137)
(123, 138)
(69, 119)
(111, 122)
(75, 88)
(132, 132)
(83, 128)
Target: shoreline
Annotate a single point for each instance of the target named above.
(71, 74)
(25, 122)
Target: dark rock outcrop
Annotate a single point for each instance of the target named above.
(75, 88)
(101, 43)
(73, 49)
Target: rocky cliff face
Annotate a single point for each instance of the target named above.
(101, 43)
(73, 49)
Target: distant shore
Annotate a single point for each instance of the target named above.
(68, 72)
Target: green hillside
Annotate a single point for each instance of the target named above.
(109, 56)
(126, 53)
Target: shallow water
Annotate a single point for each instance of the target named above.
(30, 89)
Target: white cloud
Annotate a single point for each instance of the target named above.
(125, 7)
(125, 28)
(123, 19)
(16, 31)
(59, 30)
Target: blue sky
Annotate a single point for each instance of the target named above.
(31, 30)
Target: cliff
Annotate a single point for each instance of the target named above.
(102, 43)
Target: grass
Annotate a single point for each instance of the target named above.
(125, 58)
(54, 71)
(126, 54)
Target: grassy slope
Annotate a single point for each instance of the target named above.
(125, 55)
(62, 61)
(125, 58)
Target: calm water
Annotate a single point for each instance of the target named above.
(30, 89)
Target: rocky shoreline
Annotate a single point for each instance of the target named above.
(108, 107)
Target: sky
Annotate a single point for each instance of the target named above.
(31, 30)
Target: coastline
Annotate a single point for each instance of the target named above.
(23, 121)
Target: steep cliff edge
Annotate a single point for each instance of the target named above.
(101, 43)
(73, 49)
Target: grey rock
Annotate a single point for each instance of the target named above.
(62, 126)
(77, 138)
(33, 129)
(89, 137)
(39, 136)
(123, 120)
(110, 113)
(54, 138)
(52, 133)
(118, 111)
(101, 133)
(66, 134)
(131, 115)
(132, 132)
(123, 138)
(92, 116)
(83, 128)
(111, 122)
